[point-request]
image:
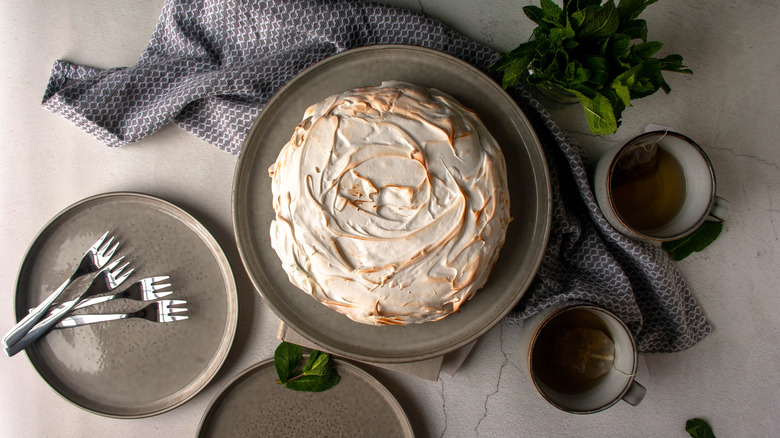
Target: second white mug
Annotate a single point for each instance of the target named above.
(658, 186)
(581, 358)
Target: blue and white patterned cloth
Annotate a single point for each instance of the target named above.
(212, 64)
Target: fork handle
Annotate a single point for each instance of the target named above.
(88, 302)
(28, 322)
(39, 330)
(79, 320)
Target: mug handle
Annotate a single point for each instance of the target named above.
(636, 392)
(720, 210)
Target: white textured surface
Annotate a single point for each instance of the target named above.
(729, 106)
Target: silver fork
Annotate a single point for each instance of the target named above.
(108, 279)
(94, 259)
(159, 311)
(142, 290)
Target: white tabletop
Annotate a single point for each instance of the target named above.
(729, 106)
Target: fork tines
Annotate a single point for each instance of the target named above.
(167, 312)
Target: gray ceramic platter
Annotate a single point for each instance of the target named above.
(132, 368)
(529, 189)
(253, 404)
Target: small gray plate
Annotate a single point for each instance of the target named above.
(529, 189)
(252, 404)
(132, 368)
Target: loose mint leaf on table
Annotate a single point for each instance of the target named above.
(317, 374)
(699, 428)
(700, 239)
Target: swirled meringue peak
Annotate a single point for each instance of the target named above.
(391, 204)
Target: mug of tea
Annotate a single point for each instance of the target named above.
(659, 186)
(581, 358)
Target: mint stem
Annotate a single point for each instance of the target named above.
(295, 378)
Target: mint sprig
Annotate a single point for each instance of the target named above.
(596, 52)
(317, 374)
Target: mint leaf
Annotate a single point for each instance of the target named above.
(601, 23)
(573, 5)
(636, 29)
(630, 9)
(674, 63)
(695, 242)
(623, 93)
(699, 428)
(318, 364)
(598, 113)
(553, 13)
(286, 359)
(618, 46)
(645, 50)
(583, 15)
(314, 383)
(598, 69)
(560, 34)
(514, 69)
(576, 73)
(641, 79)
(515, 63)
(535, 14)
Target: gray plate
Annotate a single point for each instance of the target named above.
(132, 368)
(529, 189)
(252, 404)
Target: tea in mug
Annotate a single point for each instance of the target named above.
(573, 352)
(648, 187)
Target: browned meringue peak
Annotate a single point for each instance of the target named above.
(391, 204)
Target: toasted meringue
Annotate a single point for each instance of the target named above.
(391, 204)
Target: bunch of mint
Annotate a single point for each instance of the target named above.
(599, 53)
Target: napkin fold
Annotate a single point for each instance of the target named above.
(212, 65)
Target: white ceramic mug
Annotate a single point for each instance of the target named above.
(615, 384)
(697, 198)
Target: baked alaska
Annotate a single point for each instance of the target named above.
(391, 204)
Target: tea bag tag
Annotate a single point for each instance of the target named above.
(656, 127)
(639, 156)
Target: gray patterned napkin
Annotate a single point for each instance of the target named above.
(212, 64)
